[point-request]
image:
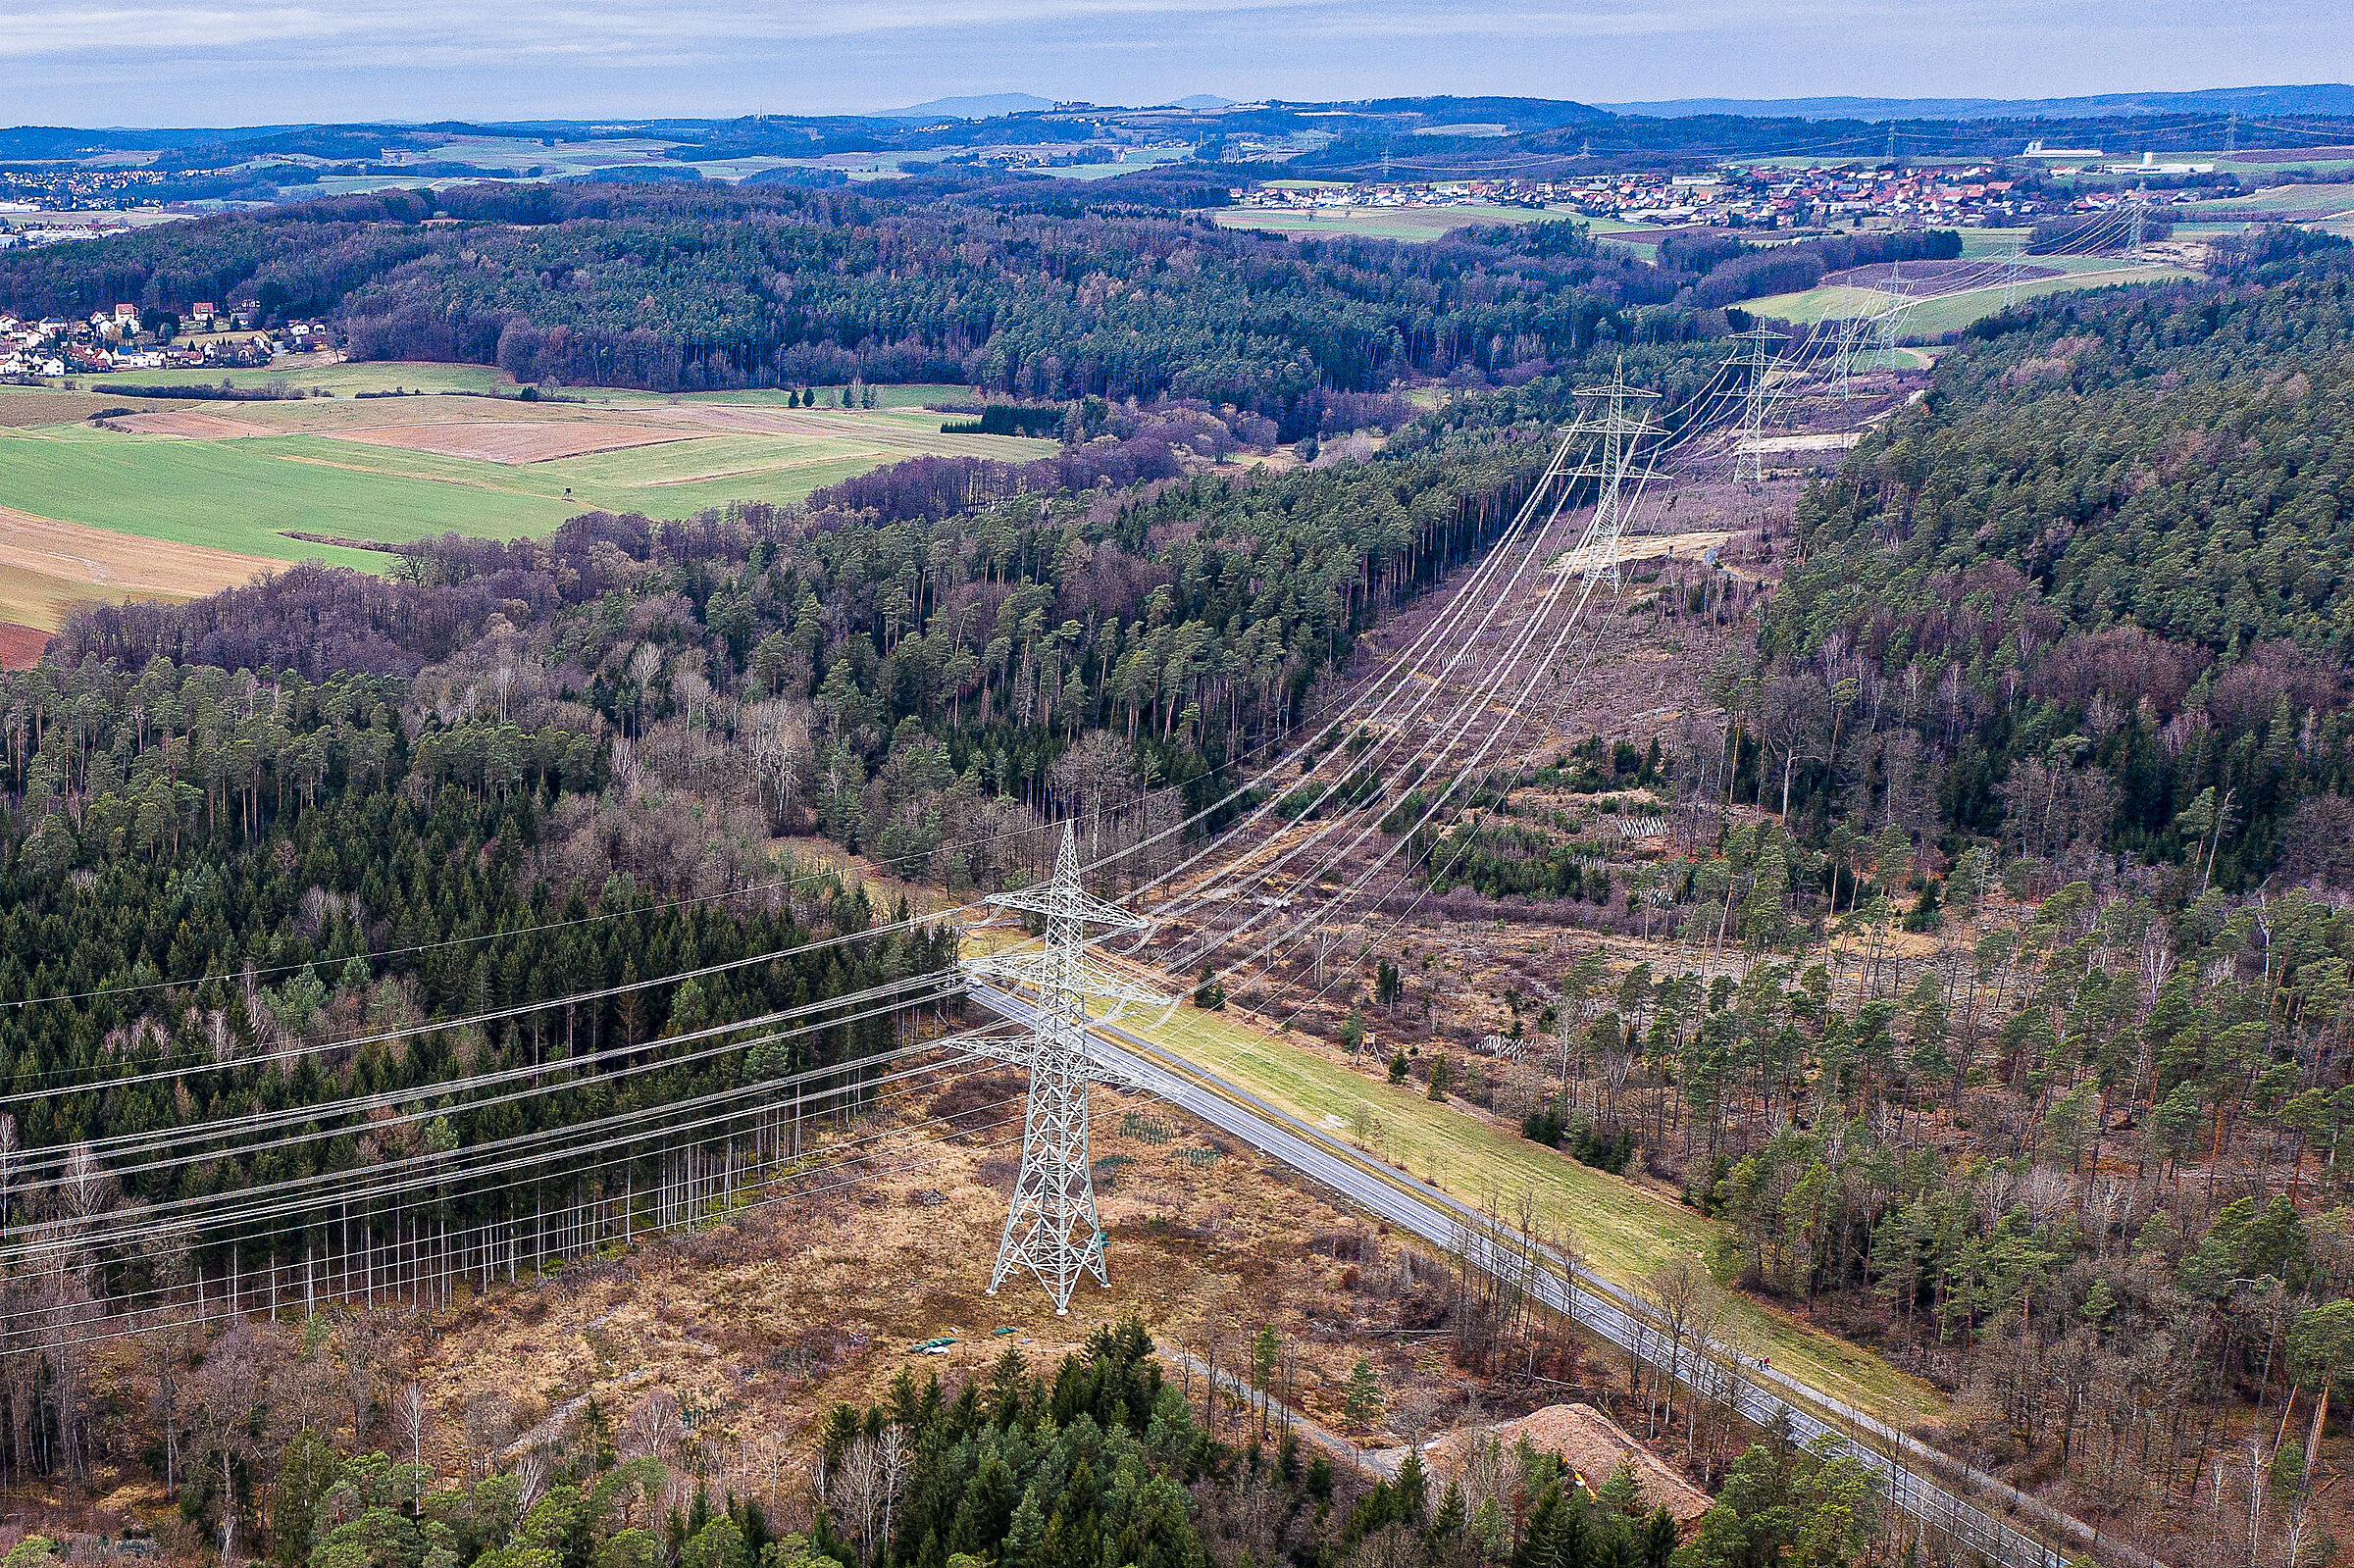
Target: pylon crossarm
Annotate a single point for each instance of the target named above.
(1047, 970)
(1020, 1051)
(1118, 1077)
(1052, 898)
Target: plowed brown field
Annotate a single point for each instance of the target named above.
(46, 566)
(187, 422)
(514, 442)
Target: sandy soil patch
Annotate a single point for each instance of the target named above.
(1644, 547)
(121, 564)
(1593, 1445)
(514, 442)
(1818, 442)
(189, 422)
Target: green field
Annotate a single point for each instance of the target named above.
(251, 494)
(1377, 222)
(341, 380)
(1932, 317)
(349, 378)
(2307, 202)
(1626, 1229)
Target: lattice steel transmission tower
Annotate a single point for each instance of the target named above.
(1847, 345)
(1052, 1229)
(1622, 427)
(1891, 327)
(1748, 456)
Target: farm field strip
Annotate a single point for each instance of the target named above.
(1947, 312)
(241, 478)
(1378, 223)
(513, 444)
(47, 564)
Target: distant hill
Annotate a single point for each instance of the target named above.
(1201, 100)
(981, 105)
(2319, 99)
(61, 141)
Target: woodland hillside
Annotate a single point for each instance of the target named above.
(1969, 940)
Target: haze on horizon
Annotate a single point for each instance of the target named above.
(200, 62)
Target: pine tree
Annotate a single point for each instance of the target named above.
(1363, 1401)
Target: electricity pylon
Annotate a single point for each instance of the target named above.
(1749, 458)
(1050, 1228)
(1843, 355)
(1622, 429)
(1892, 325)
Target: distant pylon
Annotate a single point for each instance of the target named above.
(2009, 278)
(1052, 1229)
(1749, 457)
(1891, 327)
(2141, 215)
(1843, 354)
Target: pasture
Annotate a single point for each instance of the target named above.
(1410, 223)
(2284, 203)
(229, 486)
(1933, 317)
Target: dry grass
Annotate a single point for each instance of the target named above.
(46, 567)
(761, 1325)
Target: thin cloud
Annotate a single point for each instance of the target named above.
(213, 63)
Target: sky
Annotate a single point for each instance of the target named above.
(259, 62)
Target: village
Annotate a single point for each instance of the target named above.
(1756, 196)
(129, 337)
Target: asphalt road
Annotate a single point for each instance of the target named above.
(1764, 1395)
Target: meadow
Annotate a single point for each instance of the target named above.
(1947, 313)
(1377, 222)
(233, 484)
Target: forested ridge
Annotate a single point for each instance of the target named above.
(682, 288)
(2013, 1035)
(2099, 576)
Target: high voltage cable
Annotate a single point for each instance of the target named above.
(1452, 724)
(328, 1212)
(1458, 725)
(595, 918)
(258, 1229)
(490, 1016)
(1474, 703)
(1297, 928)
(1451, 613)
(228, 1312)
(413, 1175)
(263, 1121)
(1444, 736)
